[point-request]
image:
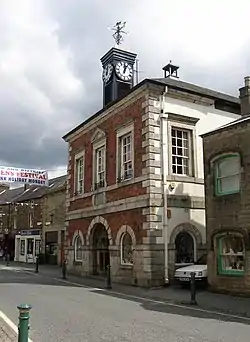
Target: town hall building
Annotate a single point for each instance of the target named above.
(135, 187)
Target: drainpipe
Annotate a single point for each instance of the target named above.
(164, 172)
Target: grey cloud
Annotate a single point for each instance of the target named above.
(45, 98)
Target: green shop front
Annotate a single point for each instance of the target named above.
(228, 262)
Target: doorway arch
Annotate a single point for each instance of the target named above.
(185, 248)
(100, 249)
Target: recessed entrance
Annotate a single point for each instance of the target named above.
(100, 249)
(184, 244)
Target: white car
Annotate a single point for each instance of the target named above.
(183, 274)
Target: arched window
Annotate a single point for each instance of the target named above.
(126, 249)
(78, 248)
(231, 254)
(227, 174)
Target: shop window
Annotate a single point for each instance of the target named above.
(78, 248)
(231, 256)
(30, 246)
(227, 174)
(126, 249)
(22, 247)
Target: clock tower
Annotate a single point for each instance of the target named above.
(118, 69)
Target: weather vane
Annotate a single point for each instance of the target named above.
(118, 35)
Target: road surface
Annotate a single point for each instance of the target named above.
(64, 312)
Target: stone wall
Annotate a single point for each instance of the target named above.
(229, 212)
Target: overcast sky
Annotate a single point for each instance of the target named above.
(50, 71)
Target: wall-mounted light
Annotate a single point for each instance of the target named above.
(171, 186)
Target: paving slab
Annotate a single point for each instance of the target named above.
(6, 332)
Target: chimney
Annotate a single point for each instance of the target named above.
(26, 186)
(245, 97)
(171, 71)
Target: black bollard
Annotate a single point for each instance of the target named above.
(64, 265)
(7, 259)
(109, 287)
(193, 289)
(37, 264)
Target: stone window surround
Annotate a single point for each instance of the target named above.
(77, 156)
(122, 131)
(77, 235)
(214, 163)
(97, 145)
(218, 252)
(183, 123)
(119, 239)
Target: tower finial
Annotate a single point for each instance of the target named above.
(118, 35)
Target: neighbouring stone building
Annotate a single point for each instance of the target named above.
(227, 185)
(53, 220)
(135, 187)
(8, 218)
(32, 221)
(28, 223)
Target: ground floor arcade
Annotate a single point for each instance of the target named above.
(133, 259)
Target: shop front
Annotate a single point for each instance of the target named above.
(27, 245)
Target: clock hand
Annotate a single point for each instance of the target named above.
(124, 68)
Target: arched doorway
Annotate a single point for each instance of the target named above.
(100, 249)
(184, 245)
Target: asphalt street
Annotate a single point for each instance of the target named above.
(64, 312)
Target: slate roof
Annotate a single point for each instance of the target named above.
(56, 184)
(173, 83)
(10, 195)
(243, 119)
(32, 192)
(195, 89)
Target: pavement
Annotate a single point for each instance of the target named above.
(80, 309)
(6, 332)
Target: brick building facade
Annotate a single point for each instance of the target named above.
(134, 194)
(227, 189)
(124, 208)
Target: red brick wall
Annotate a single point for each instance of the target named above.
(133, 218)
(133, 112)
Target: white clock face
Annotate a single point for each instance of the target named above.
(124, 71)
(107, 72)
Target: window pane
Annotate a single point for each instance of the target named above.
(79, 175)
(78, 248)
(126, 249)
(229, 166)
(126, 156)
(180, 151)
(232, 253)
(231, 244)
(100, 164)
(229, 184)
